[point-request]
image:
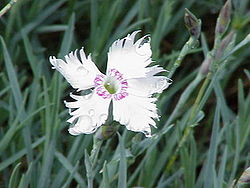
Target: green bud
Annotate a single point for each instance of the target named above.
(105, 132)
(224, 18)
(192, 23)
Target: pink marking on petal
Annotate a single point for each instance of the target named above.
(99, 80)
(121, 95)
(115, 73)
(101, 90)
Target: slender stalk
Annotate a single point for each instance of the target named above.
(90, 182)
(91, 161)
(188, 129)
(189, 45)
(194, 27)
(195, 107)
(184, 97)
(199, 97)
(95, 151)
(7, 7)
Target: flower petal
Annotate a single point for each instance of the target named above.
(79, 73)
(150, 84)
(91, 112)
(151, 71)
(145, 87)
(136, 113)
(130, 57)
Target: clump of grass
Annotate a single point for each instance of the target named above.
(202, 138)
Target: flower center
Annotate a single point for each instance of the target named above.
(111, 86)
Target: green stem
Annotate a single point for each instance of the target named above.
(95, 151)
(195, 107)
(184, 97)
(188, 129)
(199, 97)
(90, 182)
(7, 7)
(93, 160)
(189, 45)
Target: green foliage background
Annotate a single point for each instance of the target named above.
(35, 147)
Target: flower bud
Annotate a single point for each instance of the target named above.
(192, 23)
(245, 177)
(105, 132)
(224, 18)
(224, 44)
(205, 66)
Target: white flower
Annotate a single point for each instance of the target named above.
(128, 82)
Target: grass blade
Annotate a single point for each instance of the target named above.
(72, 170)
(122, 179)
(211, 159)
(14, 176)
(17, 96)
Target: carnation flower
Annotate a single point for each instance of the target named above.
(129, 83)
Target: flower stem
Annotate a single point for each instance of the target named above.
(199, 97)
(188, 129)
(7, 7)
(95, 151)
(184, 97)
(195, 107)
(91, 162)
(190, 44)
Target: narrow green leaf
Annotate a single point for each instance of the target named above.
(67, 38)
(93, 23)
(5, 90)
(52, 28)
(107, 24)
(204, 44)
(73, 155)
(29, 51)
(39, 19)
(122, 179)
(226, 113)
(6, 139)
(19, 154)
(162, 21)
(244, 42)
(17, 96)
(47, 165)
(212, 152)
(247, 72)
(14, 176)
(12, 75)
(106, 180)
(26, 178)
(241, 97)
(169, 181)
(72, 173)
(89, 169)
(222, 168)
(22, 183)
(71, 169)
